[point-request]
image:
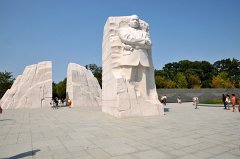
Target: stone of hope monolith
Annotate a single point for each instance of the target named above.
(32, 89)
(128, 87)
(83, 88)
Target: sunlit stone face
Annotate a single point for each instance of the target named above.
(134, 22)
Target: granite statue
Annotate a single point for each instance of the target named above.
(128, 74)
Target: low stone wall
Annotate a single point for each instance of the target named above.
(203, 94)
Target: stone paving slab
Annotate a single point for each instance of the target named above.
(183, 132)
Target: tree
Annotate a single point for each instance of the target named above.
(54, 92)
(181, 80)
(160, 73)
(222, 80)
(170, 84)
(232, 67)
(6, 81)
(171, 69)
(160, 81)
(194, 81)
(61, 88)
(200, 74)
(217, 82)
(203, 69)
(206, 73)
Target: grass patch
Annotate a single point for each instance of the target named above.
(216, 101)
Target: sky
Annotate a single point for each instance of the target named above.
(64, 31)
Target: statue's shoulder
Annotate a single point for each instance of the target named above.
(124, 30)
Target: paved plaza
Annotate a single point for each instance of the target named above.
(183, 132)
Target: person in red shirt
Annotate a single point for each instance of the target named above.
(69, 103)
(233, 102)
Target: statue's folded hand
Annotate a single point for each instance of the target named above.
(148, 42)
(128, 47)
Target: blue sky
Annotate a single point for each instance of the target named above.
(65, 31)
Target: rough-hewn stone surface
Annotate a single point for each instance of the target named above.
(82, 87)
(32, 89)
(128, 87)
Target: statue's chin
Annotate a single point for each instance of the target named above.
(135, 26)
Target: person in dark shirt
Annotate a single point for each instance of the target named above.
(224, 101)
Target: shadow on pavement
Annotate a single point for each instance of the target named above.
(210, 105)
(24, 154)
(166, 109)
(6, 119)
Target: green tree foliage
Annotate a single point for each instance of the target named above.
(97, 72)
(202, 69)
(170, 84)
(232, 67)
(6, 81)
(171, 69)
(181, 80)
(61, 88)
(163, 82)
(222, 80)
(54, 92)
(194, 81)
(160, 81)
(199, 74)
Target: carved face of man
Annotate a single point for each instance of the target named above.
(134, 22)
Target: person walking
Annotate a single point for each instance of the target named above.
(195, 102)
(224, 101)
(233, 99)
(179, 100)
(228, 101)
(164, 100)
(69, 103)
(52, 103)
(56, 102)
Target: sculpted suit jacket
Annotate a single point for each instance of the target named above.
(135, 51)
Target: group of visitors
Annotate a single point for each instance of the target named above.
(179, 100)
(56, 102)
(230, 101)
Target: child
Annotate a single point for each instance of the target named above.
(69, 103)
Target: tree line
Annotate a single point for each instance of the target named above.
(199, 74)
(224, 73)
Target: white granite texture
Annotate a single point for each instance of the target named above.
(82, 87)
(32, 89)
(128, 87)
